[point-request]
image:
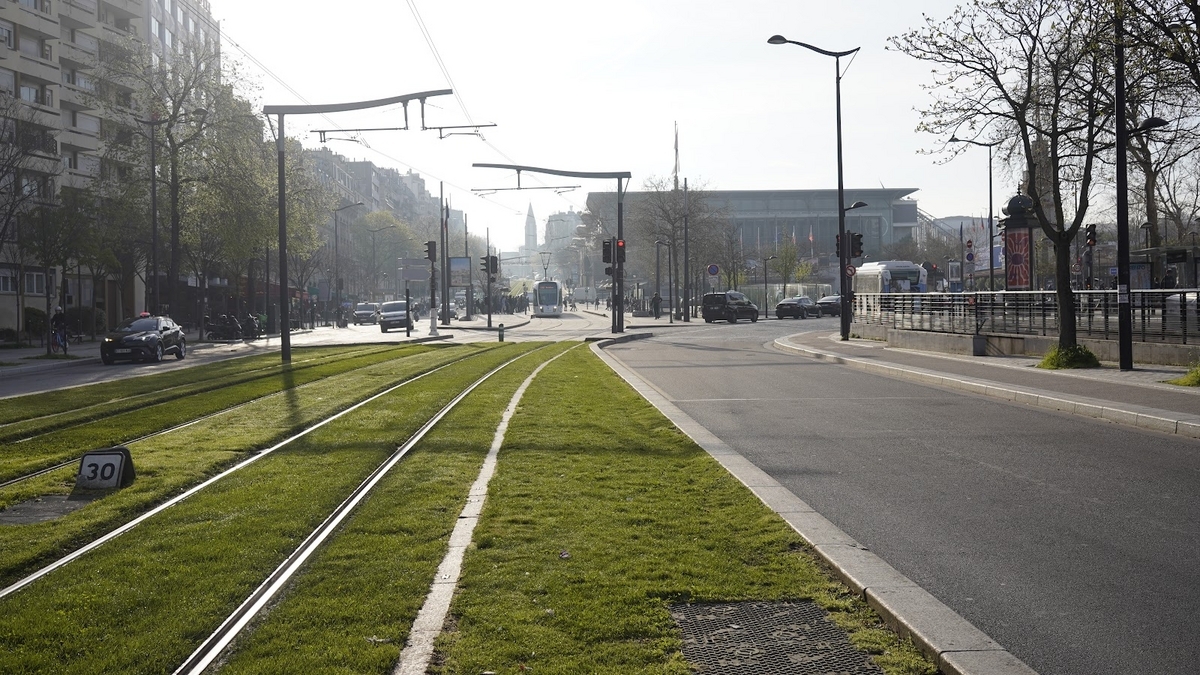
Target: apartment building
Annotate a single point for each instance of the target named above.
(49, 50)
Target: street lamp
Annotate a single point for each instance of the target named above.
(843, 260)
(545, 264)
(991, 215)
(336, 280)
(153, 123)
(764, 268)
(670, 270)
(374, 280)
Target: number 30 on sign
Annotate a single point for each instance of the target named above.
(103, 469)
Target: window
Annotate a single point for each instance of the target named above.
(155, 28)
(30, 46)
(88, 123)
(8, 81)
(85, 41)
(29, 93)
(35, 283)
(6, 34)
(8, 281)
(71, 160)
(168, 38)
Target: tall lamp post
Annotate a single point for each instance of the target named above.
(765, 301)
(991, 215)
(337, 285)
(545, 264)
(374, 280)
(153, 123)
(670, 270)
(843, 258)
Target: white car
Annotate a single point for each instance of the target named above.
(394, 314)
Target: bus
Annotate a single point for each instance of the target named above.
(548, 298)
(890, 276)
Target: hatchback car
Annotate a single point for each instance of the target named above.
(143, 338)
(366, 312)
(831, 305)
(727, 306)
(394, 315)
(799, 307)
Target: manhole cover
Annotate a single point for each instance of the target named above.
(763, 638)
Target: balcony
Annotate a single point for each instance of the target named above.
(133, 7)
(75, 138)
(37, 21)
(79, 11)
(78, 56)
(39, 68)
(74, 98)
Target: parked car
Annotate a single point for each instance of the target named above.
(144, 337)
(366, 312)
(727, 306)
(798, 307)
(394, 315)
(831, 305)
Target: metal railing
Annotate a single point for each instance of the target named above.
(1168, 316)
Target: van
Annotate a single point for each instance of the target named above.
(727, 306)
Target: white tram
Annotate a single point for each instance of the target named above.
(548, 298)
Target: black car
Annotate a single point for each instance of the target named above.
(366, 312)
(728, 306)
(831, 305)
(799, 307)
(144, 338)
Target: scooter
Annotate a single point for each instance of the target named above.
(250, 327)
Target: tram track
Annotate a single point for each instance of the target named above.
(36, 425)
(160, 508)
(211, 648)
(215, 386)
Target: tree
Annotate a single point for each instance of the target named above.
(1035, 75)
(51, 233)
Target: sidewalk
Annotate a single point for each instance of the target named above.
(1139, 398)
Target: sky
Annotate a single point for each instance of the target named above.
(601, 86)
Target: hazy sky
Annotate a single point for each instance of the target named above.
(599, 86)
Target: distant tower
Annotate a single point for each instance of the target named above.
(530, 230)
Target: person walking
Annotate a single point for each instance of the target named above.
(656, 305)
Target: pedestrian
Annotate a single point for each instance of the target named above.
(656, 305)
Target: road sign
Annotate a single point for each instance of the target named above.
(970, 256)
(713, 270)
(850, 270)
(970, 243)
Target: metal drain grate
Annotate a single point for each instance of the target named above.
(763, 638)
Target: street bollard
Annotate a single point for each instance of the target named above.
(502, 332)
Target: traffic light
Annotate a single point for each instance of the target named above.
(837, 246)
(431, 250)
(485, 265)
(1090, 234)
(493, 264)
(620, 250)
(608, 271)
(856, 245)
(608, 250)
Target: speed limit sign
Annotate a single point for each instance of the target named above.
(103, 469)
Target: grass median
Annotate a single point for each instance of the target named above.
(170, 463)
(602, 514)
(143, 602)
(182, 405)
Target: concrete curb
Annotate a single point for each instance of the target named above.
(493, 329)
(605, 340)
(1142, 417)
(955, 645)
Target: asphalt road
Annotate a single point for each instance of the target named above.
(1073, 542)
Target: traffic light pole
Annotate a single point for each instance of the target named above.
(618, 266)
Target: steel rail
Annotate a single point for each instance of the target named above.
(211, 648)
(113, 534)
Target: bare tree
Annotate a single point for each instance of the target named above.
(1035, 75)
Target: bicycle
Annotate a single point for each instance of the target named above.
(58, 341)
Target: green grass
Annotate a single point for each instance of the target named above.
(1189, 379)
(648, 519)
(142, 603)
(171, 463)
(116, 427)
(1060, 357)
(92, 401)
(351, 608)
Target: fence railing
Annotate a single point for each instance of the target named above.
(1168, 316)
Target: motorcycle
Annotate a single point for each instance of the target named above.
(225, 328)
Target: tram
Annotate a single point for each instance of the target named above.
(548, 298)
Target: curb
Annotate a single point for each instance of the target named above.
(954, 644)
(604, 340)
(493, 329)
(1141, 417)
